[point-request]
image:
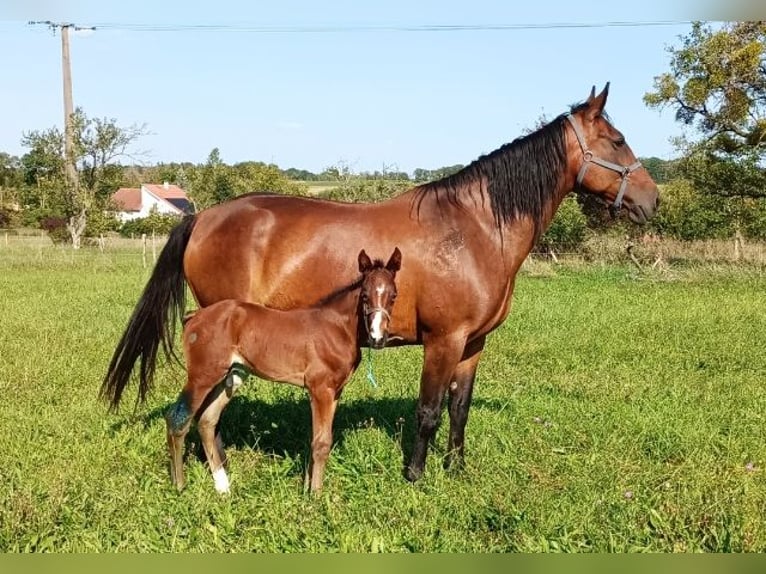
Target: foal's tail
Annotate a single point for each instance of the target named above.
(153, 321)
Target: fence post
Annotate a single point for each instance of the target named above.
(143, 243)
(154, 248)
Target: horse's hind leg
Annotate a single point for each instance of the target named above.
(324, 401)
(460, 394)
(178, 420)
(219, 398)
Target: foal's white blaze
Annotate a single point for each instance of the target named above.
(376, 331)
(221, 480)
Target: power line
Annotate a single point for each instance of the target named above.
(343, 28)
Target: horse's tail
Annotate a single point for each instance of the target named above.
(153, 321)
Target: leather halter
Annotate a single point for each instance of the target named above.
(589, 158)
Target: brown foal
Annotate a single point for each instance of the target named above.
(316, 347)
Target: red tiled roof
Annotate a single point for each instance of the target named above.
(128, 198)
(172, 191)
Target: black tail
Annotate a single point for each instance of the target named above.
(153, 321)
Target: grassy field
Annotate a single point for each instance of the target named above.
(614, 411)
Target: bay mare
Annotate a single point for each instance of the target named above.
(464, 236)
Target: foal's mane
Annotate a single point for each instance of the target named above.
(340, 292)
(521, 176)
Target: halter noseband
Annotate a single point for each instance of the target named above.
(589, 158)
(368, 312)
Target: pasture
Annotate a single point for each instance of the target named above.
(613, 411)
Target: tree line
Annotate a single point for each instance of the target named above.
(716, 187)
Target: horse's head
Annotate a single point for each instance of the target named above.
(378, 293)
(605, 164)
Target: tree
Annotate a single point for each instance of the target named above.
(717, 87)
(98, 144)
(661, 170)
(10, 178)
(211, 183)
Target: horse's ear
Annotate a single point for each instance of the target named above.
(395, 261)
(365, 264)
(592, 95)
(596, 103)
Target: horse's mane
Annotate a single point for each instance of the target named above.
(520, 176)
(340, 292)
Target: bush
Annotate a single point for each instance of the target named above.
(55, 226)
(8, 218)
(567, 230)
(366, 190)
(154, 223)
(687, 214)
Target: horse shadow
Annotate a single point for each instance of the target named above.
(282, 427)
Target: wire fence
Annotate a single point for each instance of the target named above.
(35, 248)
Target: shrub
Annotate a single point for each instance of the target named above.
(687, 214)
(567, 230)
(366, 190)
(7, 218)
(154, 223)
(55, 226)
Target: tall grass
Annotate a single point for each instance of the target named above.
(614, 411)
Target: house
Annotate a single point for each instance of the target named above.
(135, 202)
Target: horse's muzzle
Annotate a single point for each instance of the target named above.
(377, 344)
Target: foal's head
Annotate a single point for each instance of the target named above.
(378, 293)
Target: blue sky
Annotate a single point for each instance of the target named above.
(371, 99)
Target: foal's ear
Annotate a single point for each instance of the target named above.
(395, 261)
(596, 103)
(365, 264)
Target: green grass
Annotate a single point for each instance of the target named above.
(613, 412)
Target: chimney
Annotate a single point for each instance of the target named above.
(166, 185)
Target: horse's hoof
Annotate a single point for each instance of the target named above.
(454, 463)
(412, 474)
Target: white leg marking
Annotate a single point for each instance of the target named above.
(375, 331)
(221, 481)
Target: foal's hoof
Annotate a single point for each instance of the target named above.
(412, 474)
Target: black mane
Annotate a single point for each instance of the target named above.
(521, 176)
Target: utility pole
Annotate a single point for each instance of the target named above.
(66, 68)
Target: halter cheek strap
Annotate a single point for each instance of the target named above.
(589, 158)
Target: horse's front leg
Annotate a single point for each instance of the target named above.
(460, 394)
(440, 357)
(324, 400)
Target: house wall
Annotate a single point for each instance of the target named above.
(148, 201)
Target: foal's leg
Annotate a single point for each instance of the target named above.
(324, 400)
(440, 357)
(460, 394)
(218, 399)
(178, 419)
